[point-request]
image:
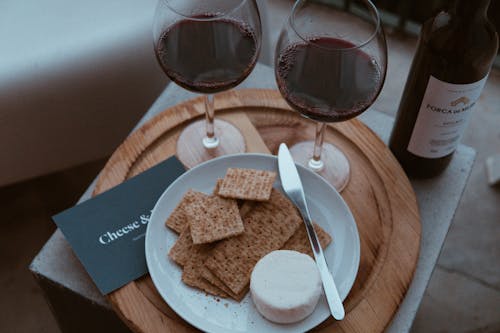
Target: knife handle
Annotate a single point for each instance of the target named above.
(331, 292)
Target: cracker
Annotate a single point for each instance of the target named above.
(178, 219)
(206, 274)
(300, 241)
(191, 274)
(179, 252)
(191, 256)
(240, 202)
(267, 228)
(211, 278)
(183, 248)
(246, 208)
(217, 186)
(248, 184)
(212, 218)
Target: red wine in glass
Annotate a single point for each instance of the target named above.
(330, 66)
(207, 47)
(328, 85)
(207, 56)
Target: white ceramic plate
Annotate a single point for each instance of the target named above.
(210, 314)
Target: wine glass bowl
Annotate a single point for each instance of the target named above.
(207, 47)
(330, 66)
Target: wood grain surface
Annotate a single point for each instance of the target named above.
(379, 195)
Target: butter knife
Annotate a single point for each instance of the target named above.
(290, 180)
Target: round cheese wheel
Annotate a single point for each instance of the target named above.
(285, 286)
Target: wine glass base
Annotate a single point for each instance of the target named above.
(191, 150)
(335, 169)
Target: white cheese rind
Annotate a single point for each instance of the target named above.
(285, 286)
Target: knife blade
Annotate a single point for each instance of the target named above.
(292, 185)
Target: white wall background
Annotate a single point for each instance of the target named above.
(75, 76)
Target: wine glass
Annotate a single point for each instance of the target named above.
(330, 65)
(207, 47)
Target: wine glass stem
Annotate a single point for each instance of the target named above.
(315, 163)
(210, 141)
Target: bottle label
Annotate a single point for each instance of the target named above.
(442, 117)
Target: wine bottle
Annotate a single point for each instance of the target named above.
(454, 55)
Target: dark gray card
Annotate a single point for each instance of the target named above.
(107, 232)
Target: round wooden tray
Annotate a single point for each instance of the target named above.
(379, 194)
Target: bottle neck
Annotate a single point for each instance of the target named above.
(471, 8)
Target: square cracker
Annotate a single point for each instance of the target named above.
(191, 274)
(206, 274)
(183, 248)
(196, 274)
(212, 218)
(191, 257)
(178, 219)
(267, 227)
(246, 207)
(249, 184)
(211, 278)
(300, 241)
(217, 186)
